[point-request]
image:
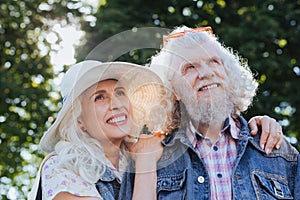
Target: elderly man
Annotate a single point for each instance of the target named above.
(212, 155)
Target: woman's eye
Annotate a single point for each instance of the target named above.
(99, 97)
(120, 93)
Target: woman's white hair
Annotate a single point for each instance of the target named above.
(77, 150)
(242, 85)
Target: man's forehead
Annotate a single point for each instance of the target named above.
(193, 52)
(193, 57)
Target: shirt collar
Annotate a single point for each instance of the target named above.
(231, 124)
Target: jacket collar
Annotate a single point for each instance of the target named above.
(244, 137)
(107, 176)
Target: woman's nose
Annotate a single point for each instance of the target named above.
(115, 103)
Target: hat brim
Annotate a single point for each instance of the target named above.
(130, 75)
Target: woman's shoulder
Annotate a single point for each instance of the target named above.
(50, 161)
(56, 179)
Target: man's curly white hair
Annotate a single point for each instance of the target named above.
(242, 85)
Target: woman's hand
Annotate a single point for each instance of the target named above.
(271, 132)
(146, 152)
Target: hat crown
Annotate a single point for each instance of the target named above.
(74, 74)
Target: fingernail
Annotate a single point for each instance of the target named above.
(263, 146)
(277, 146)
(268, 151)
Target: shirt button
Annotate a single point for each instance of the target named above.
(215, 148)
(200, 179)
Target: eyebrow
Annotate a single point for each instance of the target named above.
(104, 91)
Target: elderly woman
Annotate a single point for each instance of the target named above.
(105, 107)
(102, 111)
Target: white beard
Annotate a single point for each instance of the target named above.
(207, 111)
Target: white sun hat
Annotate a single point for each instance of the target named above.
(83, 75)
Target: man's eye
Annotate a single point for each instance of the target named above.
(188, 68)
(215, 61)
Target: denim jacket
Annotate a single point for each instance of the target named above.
(181, 174)
(108, 186)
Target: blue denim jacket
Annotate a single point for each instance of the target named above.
(108, 186)
(181, 173)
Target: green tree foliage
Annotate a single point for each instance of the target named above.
(24, 87)
(264, 32)
(26, 101)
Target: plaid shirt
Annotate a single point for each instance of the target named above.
(218, 158)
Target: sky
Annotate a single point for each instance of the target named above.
(63, 54)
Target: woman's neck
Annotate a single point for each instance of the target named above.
(112, 152)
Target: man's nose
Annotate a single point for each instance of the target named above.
(205, 71)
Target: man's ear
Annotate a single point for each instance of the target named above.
(81, 124)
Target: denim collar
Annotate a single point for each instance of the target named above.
(245, 137)
(176, 135)
(108, 176)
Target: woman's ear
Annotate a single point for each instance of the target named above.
(81, 124)
(175, 94)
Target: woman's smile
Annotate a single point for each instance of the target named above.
(117, 120)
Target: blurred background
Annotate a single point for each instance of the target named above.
(40, 39)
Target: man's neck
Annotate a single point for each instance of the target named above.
(211, 131)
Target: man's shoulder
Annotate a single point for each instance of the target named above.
(286, 150)
(175, 147)
(177, 135)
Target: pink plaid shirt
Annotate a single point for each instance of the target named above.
(218, 158)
